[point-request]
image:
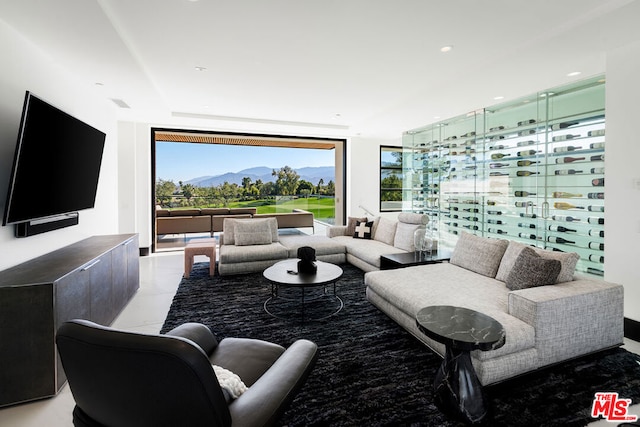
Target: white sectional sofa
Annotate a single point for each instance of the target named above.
(252, 245)
(544, 324)
(387, 237)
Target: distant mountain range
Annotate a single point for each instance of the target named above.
(263, 173)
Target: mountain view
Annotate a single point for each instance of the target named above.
(263, 173)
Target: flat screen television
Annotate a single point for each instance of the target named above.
(56, 164)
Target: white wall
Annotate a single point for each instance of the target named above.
(24, 68)
(622, 216)
(363, 174)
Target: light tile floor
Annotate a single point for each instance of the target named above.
(160, 275)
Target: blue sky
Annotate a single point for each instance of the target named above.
(182, 161)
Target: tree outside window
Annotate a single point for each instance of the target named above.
(390, 178)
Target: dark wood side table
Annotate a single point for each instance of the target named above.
(409, 259)
(457, 390)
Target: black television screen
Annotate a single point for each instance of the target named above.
(56, 164)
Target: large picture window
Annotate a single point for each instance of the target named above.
(390, 178)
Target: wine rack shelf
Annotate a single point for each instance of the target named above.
(530, 170)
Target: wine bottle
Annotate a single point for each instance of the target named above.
(524, 225)
(595, 208)
(497, 231)
(563, 125)
(597, 170)
(498, 147)
(567, 172)
(595, 195)
(491, 202)
(564, 218)
(595, 271)
(526, 173)
(498, 165)
(471, 227)
(499, 155)
(565, 138)
(526, 122)
(561, 229)
(526, 132)
(555, 239)
(495, 221)
(525, 163)
(526, 153)
(599, 132)
(494, 212)
(596, 258)
(524, 194)
(569, 159)
(565, 205)
(468, 134)
(523, 204)
(599, 157)
(528, 215)
(596, 245)
(496, 128)
(598, 182)
(498, 174)
(473, 210)
(565, 149)
(470, 218)
(564, 195)
(525, 143)
(528, 236)
(596, 233)
(493, 138)
(595, 220)
(596, 145)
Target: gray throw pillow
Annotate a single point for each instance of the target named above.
(351, 224)
(481, 255)
(531, 270)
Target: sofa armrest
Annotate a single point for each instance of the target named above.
(336, 230)
(571, 318)
(266, 400)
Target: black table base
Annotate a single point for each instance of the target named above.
(457, 390)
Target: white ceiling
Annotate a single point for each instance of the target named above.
(321, 67)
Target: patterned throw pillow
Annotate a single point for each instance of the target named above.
(363, 230)
(530, 270)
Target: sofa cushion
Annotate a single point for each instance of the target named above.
(531, 270)
(184, 212)
(162, 212)
(351, 224)
(252, 238)
(215, 211)
(230, 254)
(363, 230)
(385, 231)
(322, 244)
(404, 236)
(230, 226)
(568, 261)
(479, 254)
(368, 251)
(413, 218)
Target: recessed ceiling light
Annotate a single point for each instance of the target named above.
(99, 84)
(446, 48)
(201, 68)
(574, 73)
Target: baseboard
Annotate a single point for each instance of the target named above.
(632, 329)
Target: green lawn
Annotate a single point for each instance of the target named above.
(321, 207)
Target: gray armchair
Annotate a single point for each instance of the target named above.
(120, 378)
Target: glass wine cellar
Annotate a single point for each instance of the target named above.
(530, 170)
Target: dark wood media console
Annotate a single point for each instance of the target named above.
(92, 279)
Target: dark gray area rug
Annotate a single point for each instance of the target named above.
(371, 372)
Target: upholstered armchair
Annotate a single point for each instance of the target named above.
(120, 378)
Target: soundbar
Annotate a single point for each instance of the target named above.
(31, 228)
